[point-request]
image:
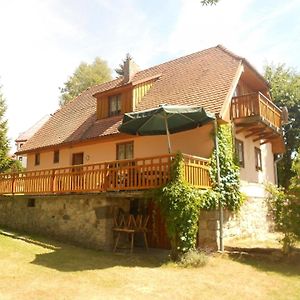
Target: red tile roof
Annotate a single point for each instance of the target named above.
(203, 78)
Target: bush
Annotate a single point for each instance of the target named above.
(194, 259)
(286, 215)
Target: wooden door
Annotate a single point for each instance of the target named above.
(157, 235)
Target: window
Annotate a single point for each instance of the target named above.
(114, 105)
(37, 159)
(236, 91)
(239, 152)
(258, 161)
(125, 151)
(77, 158)
(31, 202)
(20, 158)
(56, 157)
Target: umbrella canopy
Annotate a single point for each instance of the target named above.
(165, 119)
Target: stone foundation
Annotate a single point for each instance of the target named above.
(81, 219)
(87, 219)
(252, 220)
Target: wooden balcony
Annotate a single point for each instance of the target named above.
(259, 117)
(122, 175)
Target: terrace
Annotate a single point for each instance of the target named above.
(120, 175)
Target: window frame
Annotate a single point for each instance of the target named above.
(237, 152)
(56, 156)
(37, 159)
(124, 144)
(258, 159)
(118, 100)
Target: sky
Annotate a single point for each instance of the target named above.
(42, 42)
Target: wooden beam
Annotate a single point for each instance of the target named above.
(263, 137)
(255, 132)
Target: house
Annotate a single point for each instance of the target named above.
(80, 167)
(25, 136)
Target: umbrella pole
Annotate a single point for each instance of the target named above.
(168, 134)
(221, 244)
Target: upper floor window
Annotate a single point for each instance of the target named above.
(125, 151)
(114, 105)
(236, 91)
(37, 159)
(239, 151)
(56, 156)
(258, 159)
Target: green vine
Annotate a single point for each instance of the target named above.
(180, 202)
(228, 191)
(180, 205)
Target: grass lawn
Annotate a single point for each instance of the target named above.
(35, 268)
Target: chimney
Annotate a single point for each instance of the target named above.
(130, 69)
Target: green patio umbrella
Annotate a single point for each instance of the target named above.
(165, 120)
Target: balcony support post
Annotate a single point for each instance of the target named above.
(221, 214)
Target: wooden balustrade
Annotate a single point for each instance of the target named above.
(256, 104)
(121, 175)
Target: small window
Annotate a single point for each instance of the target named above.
(37, 159)
(31, 202)
(114, 105)
(239, 152)
(56, 157)
(20, 158)
(258, 161)
(125, 151)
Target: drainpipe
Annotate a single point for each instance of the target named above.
(221, 244)
(276, 161)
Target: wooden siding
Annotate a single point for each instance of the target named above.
(103, 102)
(140, 90)
(120, 175)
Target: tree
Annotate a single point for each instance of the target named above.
(120, 69)
(209, 2)
(85, 76)
(5, 160)
(285, 91)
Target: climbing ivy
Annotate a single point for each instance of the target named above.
(180, 204)
(228, 191)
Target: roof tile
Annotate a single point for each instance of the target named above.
(203, 78)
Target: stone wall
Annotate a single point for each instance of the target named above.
(252, 220)
(87, 219)
(82, 219)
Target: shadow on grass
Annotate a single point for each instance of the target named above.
(68, 258)
(268, 260)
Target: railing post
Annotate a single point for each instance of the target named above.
(13, 183)
(52, 188)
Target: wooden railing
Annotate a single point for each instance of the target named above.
(256, 104)
(121, 175)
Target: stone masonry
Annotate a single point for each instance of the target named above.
(86, 220)
(251, 221)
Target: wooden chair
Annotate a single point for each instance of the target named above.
(130, 225)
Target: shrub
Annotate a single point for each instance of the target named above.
(285, 209)
(194, 258)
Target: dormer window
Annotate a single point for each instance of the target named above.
(114, 105)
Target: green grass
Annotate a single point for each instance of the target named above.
(37, 268)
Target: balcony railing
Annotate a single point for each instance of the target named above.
(121, 175)
(256, 104)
